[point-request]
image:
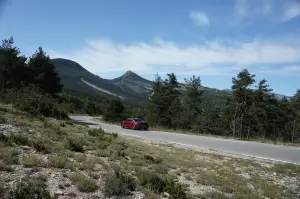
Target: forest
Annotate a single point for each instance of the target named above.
(252, 112)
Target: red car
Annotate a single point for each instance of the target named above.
(134, 123)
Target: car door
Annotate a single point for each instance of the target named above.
(130, 123)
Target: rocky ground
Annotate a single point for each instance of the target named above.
(73, 161)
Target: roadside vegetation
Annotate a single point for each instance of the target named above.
(57, 158)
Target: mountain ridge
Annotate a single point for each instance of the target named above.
(128, 86)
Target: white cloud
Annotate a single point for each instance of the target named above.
(291, 70)
(199, 18)
(245, 9)
(291, 11)
(210, 58)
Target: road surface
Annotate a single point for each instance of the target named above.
(218, 145)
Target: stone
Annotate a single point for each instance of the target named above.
(245, 176)
(58, 193)
(250, 186)
(166, 195)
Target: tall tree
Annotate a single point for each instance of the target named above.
(12, 65)
(44, 73)
(164, 105)
(191, 101)
(242, 98)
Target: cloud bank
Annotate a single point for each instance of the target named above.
(210, 58)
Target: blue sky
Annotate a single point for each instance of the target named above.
(213, 39)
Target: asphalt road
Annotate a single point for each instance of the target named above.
(207, 144)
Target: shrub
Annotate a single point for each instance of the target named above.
(127, 179)
(58, 161)
(162, 183)
(114, 186)
(32, 160)
(41, 145)
(33, 101)
(84, 183)
(29, 191)
(74, 144)
(9, 155)
(151, 159)
(175, 189)
(96, 132)
(118, 183)
(20, 139)
(152, 181)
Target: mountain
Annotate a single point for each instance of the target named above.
(75, 77)
(128, 86)
(132, 83)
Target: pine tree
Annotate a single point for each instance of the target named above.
(242, 98)
(12, 66)
(191, 101)
(43, 73)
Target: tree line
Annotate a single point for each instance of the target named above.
(251, 112)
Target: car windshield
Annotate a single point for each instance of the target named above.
(138, 120)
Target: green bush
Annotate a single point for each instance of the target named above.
(58, 161)
(20, 139)
(33, 101)
(75, 144)
(116, 185)
(29, 191)
(96, 132)
(152, 181)
(162, 183)
(41, 145)
(9, 155)
(84, 183)
(32, 160)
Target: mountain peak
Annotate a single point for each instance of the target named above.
(129, 73)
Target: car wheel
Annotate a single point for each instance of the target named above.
(146, 128)
(122, 126)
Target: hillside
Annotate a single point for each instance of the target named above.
(75, 77)
(128, 86)
(48, 159)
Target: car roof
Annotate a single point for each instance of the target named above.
(134, 118)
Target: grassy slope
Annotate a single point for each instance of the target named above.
(77, 161)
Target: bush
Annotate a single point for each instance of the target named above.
(33, 101)
(20, 139)
(41, 145)
(74, 144)
(152, 181)
(29, 191)
(162, 183)
(115, 186)
(9, 155)
(58, 161)
(32, 160)
(84, 183)
(151, 159)
(96, 132)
